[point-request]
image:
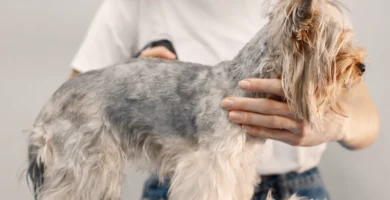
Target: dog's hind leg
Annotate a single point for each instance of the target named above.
(225, 174)
(87, 167)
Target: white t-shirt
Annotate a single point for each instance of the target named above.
(202, 31)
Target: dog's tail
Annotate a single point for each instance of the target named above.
(36, 151)
(35, 172)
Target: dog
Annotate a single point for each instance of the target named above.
(166, 115)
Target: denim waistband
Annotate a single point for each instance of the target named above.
(292, 175)
(292, 181)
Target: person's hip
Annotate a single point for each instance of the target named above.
(308, 184)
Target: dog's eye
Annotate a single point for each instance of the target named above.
(361, 67)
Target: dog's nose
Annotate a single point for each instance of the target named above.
(362, 67)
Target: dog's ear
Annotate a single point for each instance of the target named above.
(303, 20)
(293, 19)
(302, 17)
(294, 27)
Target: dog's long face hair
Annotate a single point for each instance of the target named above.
(312, 80)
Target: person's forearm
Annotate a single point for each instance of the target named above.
(363, 119)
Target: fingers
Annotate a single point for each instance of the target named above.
(270, 86)
(266, 121)
(158, 52)
(74, 73)
(262, 106)
(276, 134)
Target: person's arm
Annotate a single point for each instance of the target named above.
(274, 120)
(155, 52)
(111, 37)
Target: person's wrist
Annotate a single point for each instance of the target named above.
(344, 138)
(336, 126)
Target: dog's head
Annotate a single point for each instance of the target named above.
(318, 58)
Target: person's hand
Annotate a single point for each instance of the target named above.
(272, 119)
(158, 52)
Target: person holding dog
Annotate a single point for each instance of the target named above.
(209, 32)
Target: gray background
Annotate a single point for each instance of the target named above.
(39, 38)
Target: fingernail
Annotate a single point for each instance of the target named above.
(244, 84)
(234, 116)
(227, 103)
(246, 128)
(172, 56)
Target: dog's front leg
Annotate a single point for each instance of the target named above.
(206, 174)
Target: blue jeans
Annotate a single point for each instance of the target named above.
(308, 184)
